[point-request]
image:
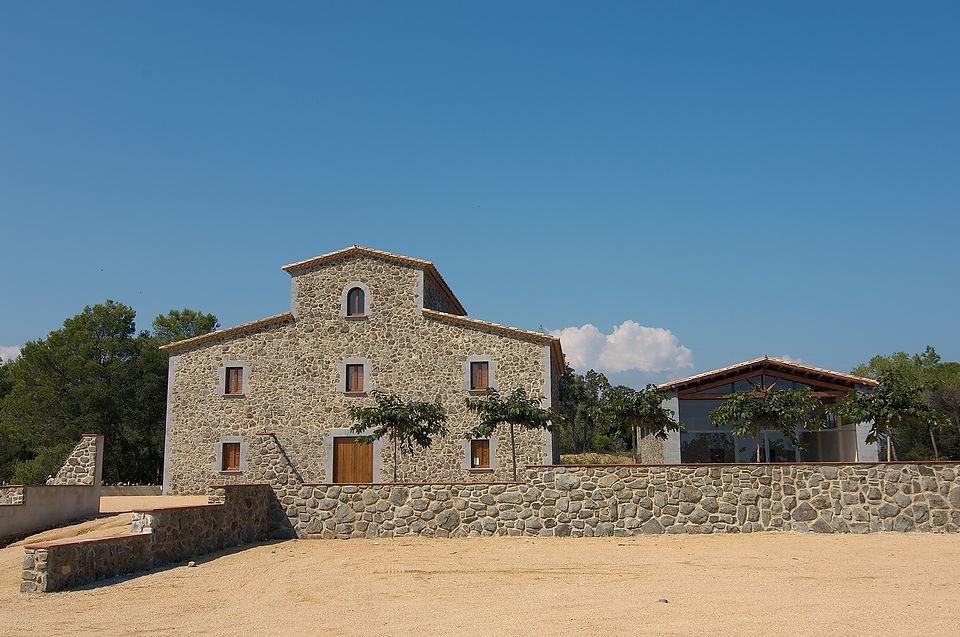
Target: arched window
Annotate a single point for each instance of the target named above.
(355, 302)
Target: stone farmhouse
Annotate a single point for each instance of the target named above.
(360, 320)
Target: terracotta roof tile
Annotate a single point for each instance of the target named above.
(546, 339)
(790, 365)
(277, 319)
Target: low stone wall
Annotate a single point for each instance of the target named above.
(237, 514)
(45, 507)
(12, 494)
(74, 494)
(631, 500)
(825, 498)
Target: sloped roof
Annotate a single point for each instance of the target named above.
(276, 319)
(292, 268)
(770, 363)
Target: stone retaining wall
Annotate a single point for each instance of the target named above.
(237, 514)
(632, 500)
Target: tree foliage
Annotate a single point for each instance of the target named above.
(752, 412)
(895, 405)
(583, 403)
(632, 414)
(409, 425)
(96, 374)
(177, 325)
(941, 390)
(517, 410)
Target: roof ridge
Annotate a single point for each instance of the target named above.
(766, 358)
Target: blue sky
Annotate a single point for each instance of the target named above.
(743, 177)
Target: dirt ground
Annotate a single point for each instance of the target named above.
(759, 584)
(123, 503)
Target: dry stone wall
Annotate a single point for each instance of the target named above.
(237, 514)
(633, 500)
(81, 465)
(293, 370)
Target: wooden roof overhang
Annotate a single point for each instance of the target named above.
(824, 383)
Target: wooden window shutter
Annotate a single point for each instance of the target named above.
(480, 375)
(234, 380)
(230, 456)
(354, 378)
(479, 454)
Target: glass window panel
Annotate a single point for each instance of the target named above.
(705, 446)
(695, 414)
(721, 389)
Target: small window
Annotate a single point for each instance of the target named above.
(230, 456)
(479, 454)
(233, 380)
(355, 302)
(480, 375)
(354, 378)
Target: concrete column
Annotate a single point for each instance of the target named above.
(671, 446)
(167, 432)
(866, 452)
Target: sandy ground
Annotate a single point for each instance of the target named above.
(760, 584)
(123, 503)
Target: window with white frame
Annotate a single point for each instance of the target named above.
(480, 454)
(234, 378)
(230, 454)
(354, 376)
(479, 374)
(355, 301)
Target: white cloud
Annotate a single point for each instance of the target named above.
(790, 359)
(9, 352)
(630, 346)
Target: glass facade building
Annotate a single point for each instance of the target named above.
(702, 442)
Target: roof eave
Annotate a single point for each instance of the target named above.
(276, 319)
(809, 370)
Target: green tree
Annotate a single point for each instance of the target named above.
(583, 428)
(941, 382)
(895, 406)
(177, 325)
(752, 412)
(915, 366)
(94, 375)
(633, 414)
(517, 410)
(409, 425)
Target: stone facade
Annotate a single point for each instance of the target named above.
(238, 514)
(81, 466)
(416, 344)
(634, 500)
(649, 449)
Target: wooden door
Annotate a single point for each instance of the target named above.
(352, 463)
